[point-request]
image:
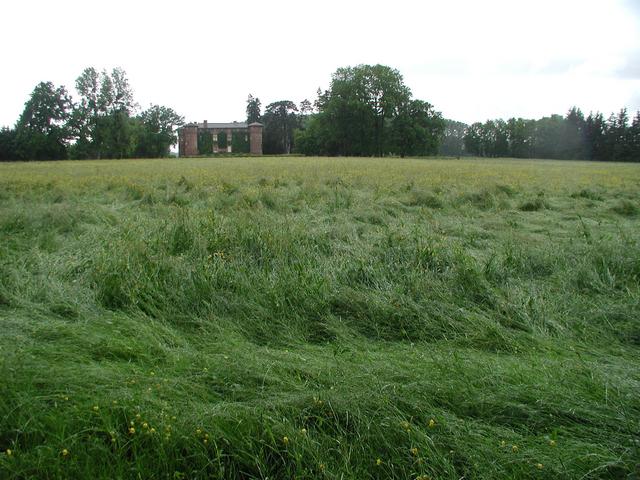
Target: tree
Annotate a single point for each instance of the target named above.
(369, 111)
(595, 132)
(500, 139)
(280, 121)
(452, 143)
(8, 145)
(416, 129)
(157, 131)
(634, 139)
(520, 137)
(369, 95)
(41, 130)
(574, 142)
(84, 119)
(101, 119)
(549, 134)
(253, 109)
(473, 139)
(306, 108)
(309, 140)
(617, 136)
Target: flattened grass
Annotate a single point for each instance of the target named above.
(319, 318)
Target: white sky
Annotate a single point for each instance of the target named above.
(472, 59)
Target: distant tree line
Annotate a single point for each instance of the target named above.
(571, 137)
(367, 111)
(100, 124)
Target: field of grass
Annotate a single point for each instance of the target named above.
(320, 318)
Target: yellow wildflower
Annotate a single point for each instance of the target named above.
(414, 451)
(514, 448)
(65, 452)
(378, 461)
(552, 443)
(285, 440)
(145, 425)
(132, 430)
(432, 423)
(9, 452)
(96, 408)
(539, 466)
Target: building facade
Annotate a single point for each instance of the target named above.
(223, 137)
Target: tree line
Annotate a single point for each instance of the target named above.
(366, 111)
(572, 137)
(100, 124)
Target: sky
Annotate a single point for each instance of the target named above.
(473, 60)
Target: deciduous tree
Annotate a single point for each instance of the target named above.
(41, 130)
(157, 132)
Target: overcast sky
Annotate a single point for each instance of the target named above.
(471, 59)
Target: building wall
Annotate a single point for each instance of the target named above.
(188, 141)
(255, 139)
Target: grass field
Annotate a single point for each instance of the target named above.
(320, 318)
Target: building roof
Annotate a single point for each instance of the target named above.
(223, 125)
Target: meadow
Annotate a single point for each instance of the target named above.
(317, 318)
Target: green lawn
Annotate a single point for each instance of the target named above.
(320, 318)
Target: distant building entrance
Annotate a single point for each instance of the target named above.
(211, 138)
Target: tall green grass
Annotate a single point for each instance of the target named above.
(319, 318)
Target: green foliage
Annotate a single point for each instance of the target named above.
(222, 140)
(452, 144)
(101, 120)
(280, 121)
(240, 142)
(7, 144)
(369, 111)
(253, 109)
(318, 318)
(416, 130)
(571, 137)
(158, 131)
(205, 142)
(41, 132)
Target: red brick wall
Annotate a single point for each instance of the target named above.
(188, 141)
(255, 139)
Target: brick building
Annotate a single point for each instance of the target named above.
(223, 137)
